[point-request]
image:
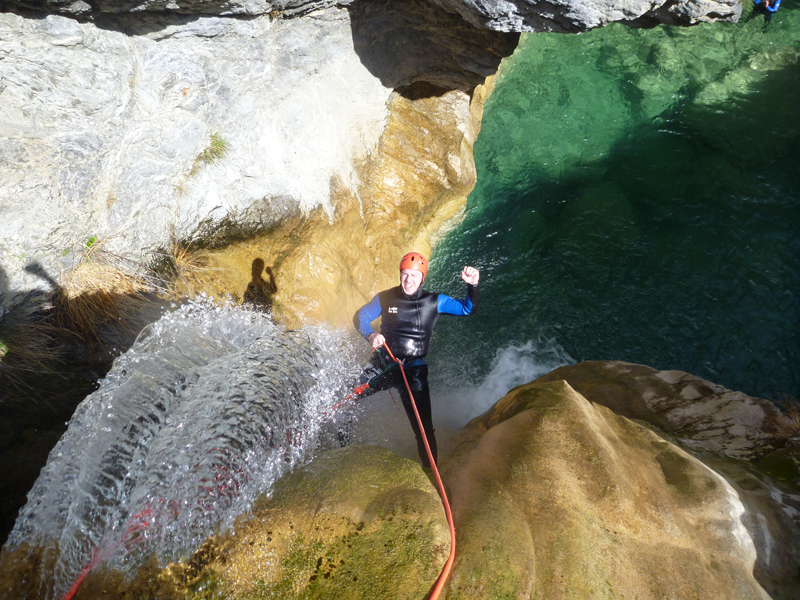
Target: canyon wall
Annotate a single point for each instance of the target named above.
(142, 126)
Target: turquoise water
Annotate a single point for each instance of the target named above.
(638, 199)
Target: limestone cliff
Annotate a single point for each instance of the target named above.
(502, 15)
(138, 125)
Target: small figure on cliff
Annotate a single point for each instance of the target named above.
(409, 314)
(259, 291)
(768, 7)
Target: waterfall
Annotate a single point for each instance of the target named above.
(202, 415)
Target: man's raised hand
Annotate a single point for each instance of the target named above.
(471, 275)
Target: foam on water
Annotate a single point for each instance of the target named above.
(455, 403)
(201, 416)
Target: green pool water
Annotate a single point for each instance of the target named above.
(638, 199)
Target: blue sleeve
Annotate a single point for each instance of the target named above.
(366, 315)
(774, 7)
(450, 306)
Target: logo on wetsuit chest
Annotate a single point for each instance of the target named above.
(393, 310)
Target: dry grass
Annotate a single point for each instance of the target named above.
(96, 305)
(217, 148)
(100, 292)
(186, 259)
(175, 264)
(28, 351)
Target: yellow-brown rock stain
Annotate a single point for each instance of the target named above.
(327, 265)
(604, 507)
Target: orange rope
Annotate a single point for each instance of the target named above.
(437, 589)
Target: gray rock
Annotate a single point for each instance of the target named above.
(571, 16)
(100, 132)
(500, 15)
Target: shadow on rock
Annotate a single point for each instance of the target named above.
(54, 348)
(259, 291)
(420, 50)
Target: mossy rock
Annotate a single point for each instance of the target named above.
(357, 522)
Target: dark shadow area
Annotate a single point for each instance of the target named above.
(46, 370)
(420, 50)
(259, 291)
(402, 42)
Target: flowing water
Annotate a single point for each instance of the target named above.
(201, 416)
(638, 199)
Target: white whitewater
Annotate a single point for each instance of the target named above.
(201, 416)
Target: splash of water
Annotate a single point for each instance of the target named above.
(512, 365)
(200, 417)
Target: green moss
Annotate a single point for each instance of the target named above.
(394, 561)
(209, 587)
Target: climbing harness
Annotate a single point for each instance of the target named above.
(449, 564)
(375, 373)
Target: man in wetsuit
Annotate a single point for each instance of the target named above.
(408, 314)
(768, 7)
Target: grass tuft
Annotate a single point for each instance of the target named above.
(175, 263)
(29, 351)
(217, 149)
(98, 293)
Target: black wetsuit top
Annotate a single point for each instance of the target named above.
(407, 321)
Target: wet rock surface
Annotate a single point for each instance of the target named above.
(553, 495)
(571, 500)
(360, 522)
(707, 416)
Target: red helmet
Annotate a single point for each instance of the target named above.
(416, 262)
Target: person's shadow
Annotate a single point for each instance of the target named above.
(259, 291)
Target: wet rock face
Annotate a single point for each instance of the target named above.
(747, 440)
(360, 522)
(567, 499)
